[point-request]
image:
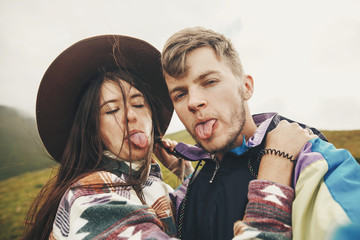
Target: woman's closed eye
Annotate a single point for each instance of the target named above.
(112, 111)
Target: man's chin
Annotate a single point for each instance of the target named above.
(216, 145)
(210, 145)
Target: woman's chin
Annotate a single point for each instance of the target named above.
(139, 153)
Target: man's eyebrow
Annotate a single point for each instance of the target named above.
(177, 89)
(197, 79)
(205, 74)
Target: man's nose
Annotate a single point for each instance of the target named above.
(196, 102)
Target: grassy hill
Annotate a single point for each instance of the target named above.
(20, 146)
(17, 192)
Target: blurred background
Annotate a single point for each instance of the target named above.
(304, 57)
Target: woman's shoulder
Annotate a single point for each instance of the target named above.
(98, 178)
(96, 183)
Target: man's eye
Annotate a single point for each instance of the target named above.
(209, 82)
(112, 111)
(179, 96)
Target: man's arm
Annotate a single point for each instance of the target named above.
(268, 212)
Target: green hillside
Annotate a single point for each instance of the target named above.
(20, 146)
(16, 194)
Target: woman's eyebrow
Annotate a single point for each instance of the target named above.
(109, 101)
(136, 95)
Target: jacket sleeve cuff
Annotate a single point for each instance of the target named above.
(269, 201)
(268, 212)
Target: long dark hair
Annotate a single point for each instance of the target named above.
(84, 151)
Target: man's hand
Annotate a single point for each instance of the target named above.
(163, 151)
(289, 138)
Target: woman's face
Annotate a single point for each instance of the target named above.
(114, 113)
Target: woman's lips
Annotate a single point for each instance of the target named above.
(204, 130)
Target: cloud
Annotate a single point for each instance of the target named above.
(338, 44)
(342, 113)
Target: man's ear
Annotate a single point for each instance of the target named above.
(248, 87)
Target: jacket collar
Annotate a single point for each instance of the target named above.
(118, 166)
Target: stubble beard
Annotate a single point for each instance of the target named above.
(239, 117)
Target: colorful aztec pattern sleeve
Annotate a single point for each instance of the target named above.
(268, 213)
(327, 190)
(114, 213)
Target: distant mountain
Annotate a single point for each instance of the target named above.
(21, 149)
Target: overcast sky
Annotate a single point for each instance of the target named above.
(304, 55)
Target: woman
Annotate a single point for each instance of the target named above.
(97, 112)
(100, 107)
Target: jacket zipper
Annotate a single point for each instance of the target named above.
(217, 166)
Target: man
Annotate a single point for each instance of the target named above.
(209, 91)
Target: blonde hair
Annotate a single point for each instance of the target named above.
(173, 57)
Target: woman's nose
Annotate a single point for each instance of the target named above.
(131, 115)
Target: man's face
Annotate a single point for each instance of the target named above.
(209, 101)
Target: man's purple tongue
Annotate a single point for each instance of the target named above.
(139, 139)
(204, 130)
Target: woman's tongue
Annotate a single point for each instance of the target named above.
(139, 139)
(204, 130)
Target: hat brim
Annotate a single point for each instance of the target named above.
(64, 81)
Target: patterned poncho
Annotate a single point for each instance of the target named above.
(115, 212)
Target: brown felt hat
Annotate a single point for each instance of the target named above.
(65, 81)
